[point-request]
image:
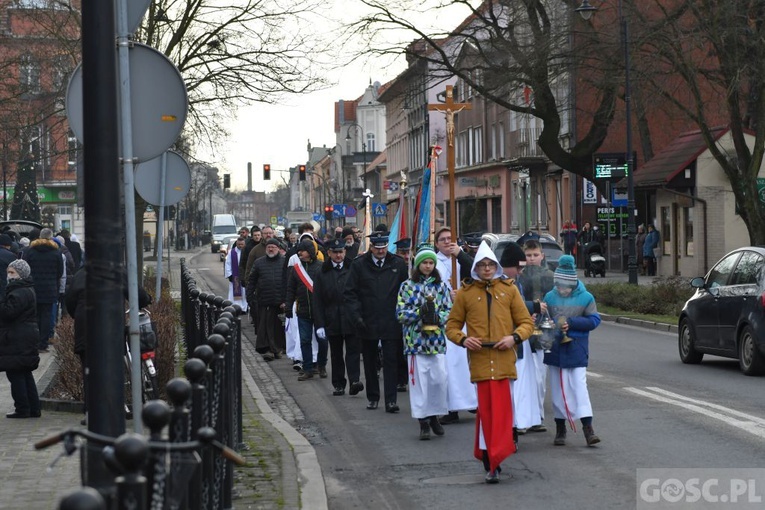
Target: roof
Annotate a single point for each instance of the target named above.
(349, 113)
(674, 158)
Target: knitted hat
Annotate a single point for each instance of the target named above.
(24, 241)
(5, 240)
(307, 246)
(565, 274)
(273, 241)
(425, 252)
(512, 256)
(21, 267)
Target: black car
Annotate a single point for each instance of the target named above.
(726, 315)
(550, 247)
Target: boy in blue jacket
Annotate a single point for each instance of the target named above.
(575, 311)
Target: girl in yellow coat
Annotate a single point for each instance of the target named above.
(497, 320)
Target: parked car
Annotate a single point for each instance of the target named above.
(550, 246)
(726, 315)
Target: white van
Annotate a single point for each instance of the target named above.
(224, 229)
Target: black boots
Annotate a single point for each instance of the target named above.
(438, 429)
(424, 429)
(589, 435)
(560, 432)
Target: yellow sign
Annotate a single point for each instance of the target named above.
(273, 220)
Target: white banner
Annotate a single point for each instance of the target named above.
(589, 192)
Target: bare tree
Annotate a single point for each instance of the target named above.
(238, 53)
(512, 45)
(707, 60)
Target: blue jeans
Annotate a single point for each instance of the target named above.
(305, 329)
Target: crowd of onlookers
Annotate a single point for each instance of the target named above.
(35, 271)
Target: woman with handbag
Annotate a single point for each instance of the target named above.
(18, 340)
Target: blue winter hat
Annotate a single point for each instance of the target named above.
(565, 273)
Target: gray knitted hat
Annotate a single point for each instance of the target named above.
(21, 267)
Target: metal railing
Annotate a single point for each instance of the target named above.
(177, 471)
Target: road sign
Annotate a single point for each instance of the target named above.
(274, 220)
(177, 179)
(158, 102)
(338, 210)
(318, 217)
(618, 197)
(350, 211)
(379, 209)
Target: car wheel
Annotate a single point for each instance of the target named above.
(749, 358)
(685, 343)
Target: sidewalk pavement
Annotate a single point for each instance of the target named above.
(282, 468)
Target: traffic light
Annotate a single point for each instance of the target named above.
(226, 181)
(301, 170)
(266, 172)
(328, 209)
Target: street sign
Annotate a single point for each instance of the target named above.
(158, 102)
(338, 210)
(379, 209)
(318, 217)
(350, 211)
(274, 220)
(177, 179)
(618, 197)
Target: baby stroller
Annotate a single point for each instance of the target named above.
(594, 261)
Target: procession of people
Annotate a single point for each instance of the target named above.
(464, 343)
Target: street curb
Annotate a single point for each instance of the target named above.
(629, 321)
(311, 478)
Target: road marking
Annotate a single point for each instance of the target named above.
(203, 269)
(593, 374)
(751, 424)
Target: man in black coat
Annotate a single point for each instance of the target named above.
(332, 321)
(47, 264)
(370, 297)
(6, 257)
(299, 290)
(267, 282)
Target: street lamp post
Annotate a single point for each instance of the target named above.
(323, 195)
(341, 173)
(586, 11)
(363, 149)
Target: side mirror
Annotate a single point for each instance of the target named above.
(698, 283)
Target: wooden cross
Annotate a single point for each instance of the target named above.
(448, 107)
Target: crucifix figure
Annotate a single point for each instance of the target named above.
(449, 107)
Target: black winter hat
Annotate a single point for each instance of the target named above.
(512, 256)
(308, 246)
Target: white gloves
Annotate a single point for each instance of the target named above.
(321, 333)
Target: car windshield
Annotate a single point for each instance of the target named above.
(224, 229)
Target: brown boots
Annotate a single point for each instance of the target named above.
(560, 434)
(589, 435)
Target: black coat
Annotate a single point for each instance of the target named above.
(267, 282)
(298, 292)
(6, 257)
(18, 327)
(74, 299)
(371, 293)
(47, 265)
(328, 310)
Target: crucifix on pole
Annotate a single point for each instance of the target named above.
(448, 107)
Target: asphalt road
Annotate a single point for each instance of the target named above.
(651, 412)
